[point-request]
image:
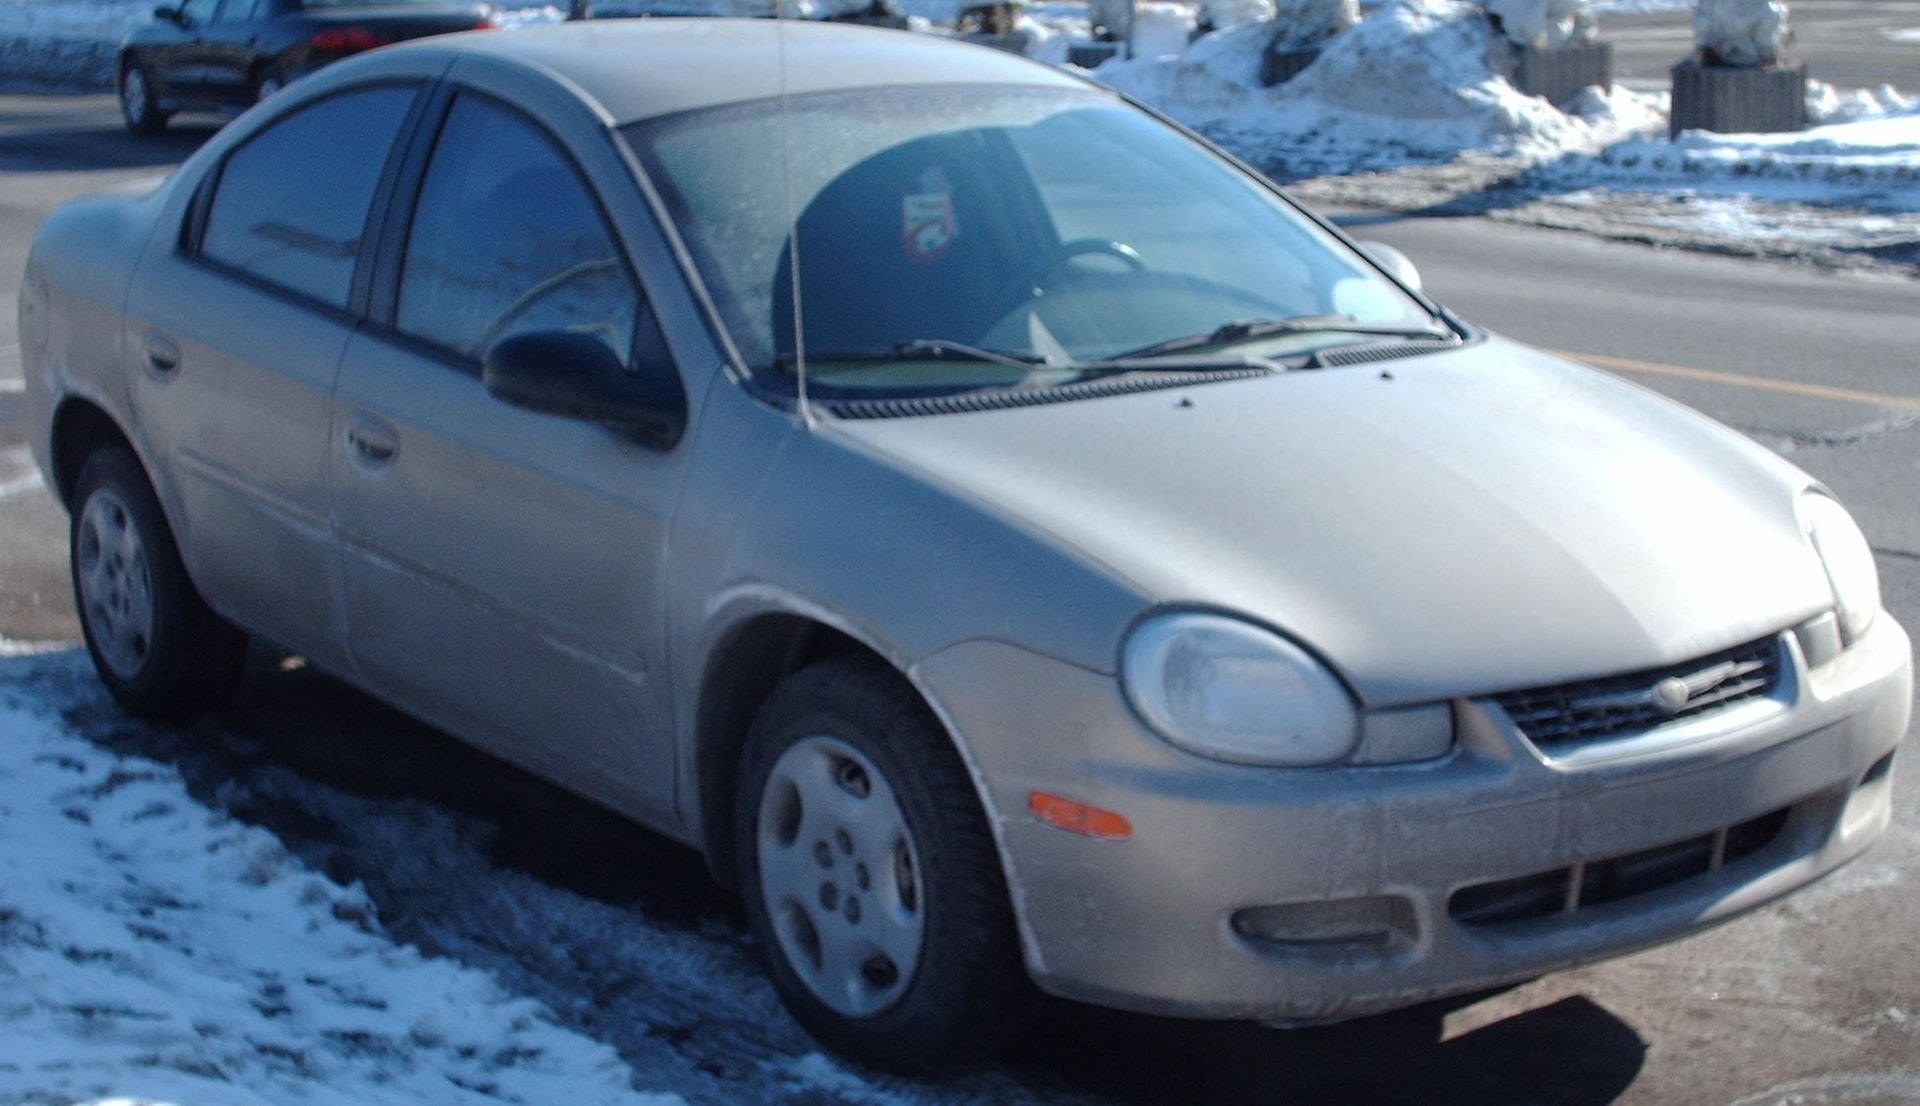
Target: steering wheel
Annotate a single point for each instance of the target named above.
(1081, 247)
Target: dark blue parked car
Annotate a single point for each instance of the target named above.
(224, 55)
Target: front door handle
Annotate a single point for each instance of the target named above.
(163, 356)
(371, 442)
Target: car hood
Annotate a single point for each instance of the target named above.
(1482, 519)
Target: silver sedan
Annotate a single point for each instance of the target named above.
(1011, 539)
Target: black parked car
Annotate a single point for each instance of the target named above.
(223, 55)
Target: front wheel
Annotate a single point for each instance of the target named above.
(139, 100)
(870, 877)
(159, 649)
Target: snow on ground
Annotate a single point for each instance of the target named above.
(1411, 83)
(1869, 158)
(1413, 100)
(152, 948)
(316, 900)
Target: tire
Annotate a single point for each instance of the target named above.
(139, 103)
(271, 83)
(160, 650)
(828, 731)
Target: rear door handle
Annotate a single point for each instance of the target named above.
(163, 357)
(372, 443)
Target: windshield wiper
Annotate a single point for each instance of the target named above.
(929, 349)
(1241, 330)
(1132, 363)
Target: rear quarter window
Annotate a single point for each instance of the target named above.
(290, 207)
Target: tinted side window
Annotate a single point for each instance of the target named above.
(199, 11)
(291, 204)
(238, 11)
(506, 239)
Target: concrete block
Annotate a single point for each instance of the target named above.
(1738, 101)
(1278, 65)
(1090, 55)
(1557, 73)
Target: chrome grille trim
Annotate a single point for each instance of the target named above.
(1566, 717)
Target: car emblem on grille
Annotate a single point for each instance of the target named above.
(1671, 695)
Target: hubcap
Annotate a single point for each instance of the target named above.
(133, 93)
(116, 583)
(840, 876)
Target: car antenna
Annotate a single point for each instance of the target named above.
(804, 409)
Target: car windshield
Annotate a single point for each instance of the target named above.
(965, 237)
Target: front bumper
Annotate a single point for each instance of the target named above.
(1147, 923)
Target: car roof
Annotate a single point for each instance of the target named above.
(643, 68)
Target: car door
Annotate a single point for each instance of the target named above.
(177, 63)
(502, 567)
(236, 335)
(228, 52)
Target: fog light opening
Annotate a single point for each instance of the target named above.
(1373, 924)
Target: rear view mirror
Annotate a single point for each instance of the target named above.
(167, 14)
(559, 372)
(1393, 261)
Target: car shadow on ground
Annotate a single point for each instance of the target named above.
(33, 141)
(289, 718)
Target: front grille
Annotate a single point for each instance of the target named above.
(1570, 715)
(1567, 891)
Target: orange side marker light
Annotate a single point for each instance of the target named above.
(1076, 817)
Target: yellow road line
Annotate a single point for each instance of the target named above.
(1741, 380)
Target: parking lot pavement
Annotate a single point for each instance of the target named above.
(1847, 43)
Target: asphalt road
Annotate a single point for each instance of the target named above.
(1814, 1000)
(1846, 43)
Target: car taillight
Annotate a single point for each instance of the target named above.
(490, 23)
(346, 40)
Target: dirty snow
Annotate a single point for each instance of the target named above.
(1410, 83)
(1412, 109)
(152, 948)
(316, 900)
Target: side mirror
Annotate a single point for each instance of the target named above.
(560, 372)
(1393, 261)
(167, 14)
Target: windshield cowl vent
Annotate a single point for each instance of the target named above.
(1006, 399)
(1363, 353)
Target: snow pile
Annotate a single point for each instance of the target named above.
(1160, 28)
(1867, 155)
(1303, 24)
(1410, 83)
(1218, 15)
(152, 948)
(1744, 33)
(1543, 23)
(64, 43)
(1827, 104)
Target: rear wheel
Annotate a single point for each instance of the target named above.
(159, 649)
(139, 103)
(271, 82)
(870, 877)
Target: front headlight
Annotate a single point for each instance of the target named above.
(1848, 560)
(1229, 690)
